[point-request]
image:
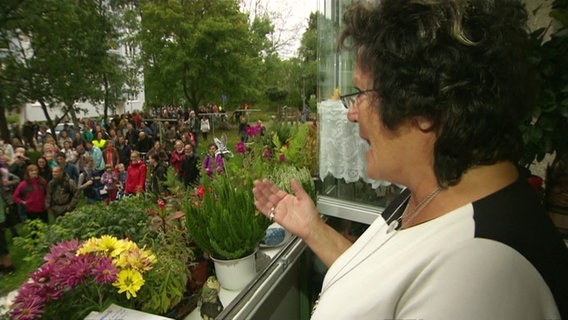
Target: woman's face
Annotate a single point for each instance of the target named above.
(390, 152)
(41, 162)
(212, 150)
(33, 172)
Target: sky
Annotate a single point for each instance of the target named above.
(290, 18)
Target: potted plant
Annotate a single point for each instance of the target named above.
(223, 221)
(545, 130)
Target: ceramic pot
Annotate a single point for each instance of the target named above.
(235, 274)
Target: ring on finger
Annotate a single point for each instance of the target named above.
(271, 214)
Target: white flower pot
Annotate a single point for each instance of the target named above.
(235, 274)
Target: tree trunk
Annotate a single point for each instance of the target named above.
(5, 133)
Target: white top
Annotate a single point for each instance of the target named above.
(435, 270)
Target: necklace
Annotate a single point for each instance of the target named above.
(391, 226)
(421, 205)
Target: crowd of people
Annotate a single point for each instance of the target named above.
(102, 160)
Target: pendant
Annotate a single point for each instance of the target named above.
(316, 304)
(392, 226)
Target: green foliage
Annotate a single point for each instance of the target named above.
(282, 175)
(545, 130)
(128, 218)
(225, 222)
(166, 282)
(282, 132)
(194, 53)
(13, 119)
(300, 148)
(69, 55)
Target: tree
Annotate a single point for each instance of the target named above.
(62, 51)
(10, 81)
(308, 53)
(195, 51)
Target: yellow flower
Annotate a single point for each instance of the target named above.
(135, 258)
(108, 245)
(129, 281)
(91, 245)
(121, 246)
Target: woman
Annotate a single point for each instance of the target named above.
(77, 139)
(435, 100)
(44, 170)
(205, 127)
(49, 152)
(31, 192)
(177, 156)
(135, 175)
(158, 150)
(213, 163)
(99, 140)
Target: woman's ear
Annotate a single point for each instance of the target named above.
(424, 124)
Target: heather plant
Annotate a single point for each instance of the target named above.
(222, 219)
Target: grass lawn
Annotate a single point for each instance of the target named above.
(23, 268)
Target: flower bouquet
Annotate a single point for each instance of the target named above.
(78, 278)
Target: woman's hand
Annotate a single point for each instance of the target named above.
(296, 212)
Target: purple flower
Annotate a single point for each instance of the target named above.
(105, 271)
(267, 153)
(78, 271)
(43, 274)
(282, 158)
(64, 249)
(32, 308)
(241, 148)
(29, 291)
(254, 130)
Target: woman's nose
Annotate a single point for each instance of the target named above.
(353, 114)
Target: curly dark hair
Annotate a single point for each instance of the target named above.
(462, 64)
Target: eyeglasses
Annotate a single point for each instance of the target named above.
(349, 99)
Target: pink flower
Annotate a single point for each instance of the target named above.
(78, 271)
(254, 130)
(43, 273)
(65, 249)
(105, 271)
(161, 204)
(29, 291)
(241, 148)
(267, 153)
(32, 308)
(282, 158)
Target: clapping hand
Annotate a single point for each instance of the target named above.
(295, 212)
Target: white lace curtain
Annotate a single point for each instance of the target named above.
(341, 150)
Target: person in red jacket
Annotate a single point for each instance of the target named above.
(177, 156)
(135, 175)
(31, 193)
